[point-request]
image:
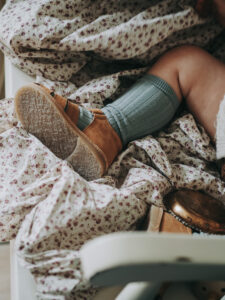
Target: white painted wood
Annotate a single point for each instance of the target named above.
(22, 283)
(123, 257)
(4, 272)
(14, 79)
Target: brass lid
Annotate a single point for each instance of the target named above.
(197, 210)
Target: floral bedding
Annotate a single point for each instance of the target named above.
(91, 51)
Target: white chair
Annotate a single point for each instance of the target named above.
(151, 259)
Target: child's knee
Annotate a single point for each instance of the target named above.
(182, 66)
(191, 64)
(186, 54)
(177, 58)
(174, 62)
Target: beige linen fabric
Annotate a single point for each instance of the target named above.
(91, 51)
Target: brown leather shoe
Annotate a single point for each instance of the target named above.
(52, 119)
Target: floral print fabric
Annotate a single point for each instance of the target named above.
(91, 51)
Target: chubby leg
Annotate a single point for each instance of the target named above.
(197, 77)
(90, 140)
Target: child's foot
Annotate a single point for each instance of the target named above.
(53, 120)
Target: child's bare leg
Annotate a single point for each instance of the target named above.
(197, 77)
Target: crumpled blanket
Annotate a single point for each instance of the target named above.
(91, 51)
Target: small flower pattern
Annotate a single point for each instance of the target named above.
(90, 52)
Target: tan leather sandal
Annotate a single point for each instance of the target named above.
(52, 119)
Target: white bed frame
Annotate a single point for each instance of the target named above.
(22, 283)
(118, 259)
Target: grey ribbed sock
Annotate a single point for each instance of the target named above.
(85, 118)
(147, 107)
